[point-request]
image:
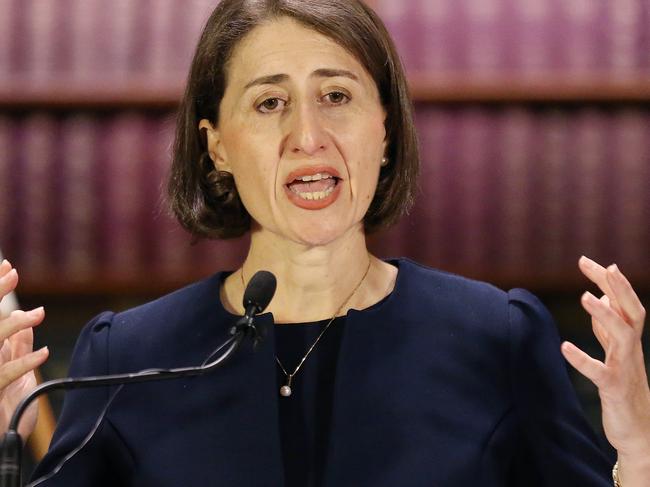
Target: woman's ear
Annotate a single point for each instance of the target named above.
(215, 146)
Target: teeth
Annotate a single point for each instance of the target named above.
(315, 177)
(315, 195)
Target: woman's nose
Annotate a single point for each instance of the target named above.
(306, 131)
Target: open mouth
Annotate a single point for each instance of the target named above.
(314, 187)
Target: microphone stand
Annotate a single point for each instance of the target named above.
(12, 443)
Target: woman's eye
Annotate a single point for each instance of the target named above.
(270, 105)
(337, 97)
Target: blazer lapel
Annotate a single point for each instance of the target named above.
(254, 396)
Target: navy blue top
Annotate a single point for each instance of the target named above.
(305, 415)
(448, 382)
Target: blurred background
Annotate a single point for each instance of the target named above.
(534, 123)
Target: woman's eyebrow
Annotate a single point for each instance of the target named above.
(271, 79)
(330, 73)
(319, 73)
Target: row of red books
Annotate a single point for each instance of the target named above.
(88, 40)
(521, 37)
(83, 41)
(503, 192)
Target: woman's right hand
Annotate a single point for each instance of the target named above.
(17, 360)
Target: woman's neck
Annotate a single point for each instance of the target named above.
(313, 282)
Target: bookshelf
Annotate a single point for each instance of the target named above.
(532, 88)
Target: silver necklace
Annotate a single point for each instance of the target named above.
(285, 390)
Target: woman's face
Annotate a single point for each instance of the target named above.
(301, 128)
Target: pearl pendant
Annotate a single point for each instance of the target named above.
(285, 391)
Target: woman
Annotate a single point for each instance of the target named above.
(296, 125)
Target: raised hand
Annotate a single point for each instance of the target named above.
(17, 360)
(617, 320)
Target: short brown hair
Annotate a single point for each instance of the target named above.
(205, 200)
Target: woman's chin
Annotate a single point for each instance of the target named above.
(319, 233)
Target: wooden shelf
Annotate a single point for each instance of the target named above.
(119, 96)
(425, 88)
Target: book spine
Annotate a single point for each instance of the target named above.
(580, 47)
(41, 31)
(628, 227)
(431, 209)
(527, 52)
(39, 145)
(122, 197)
(435, 52)
(473, 162)
(85, 53)
(161, 26)
(626, 43)
(481, 43)
(191, 22)
(7, 183)
(515, 144)
(171, 246)
(589, 198)
(550, 192)
(122, 31)
(6, 44)
(401, 21)
(79, 204)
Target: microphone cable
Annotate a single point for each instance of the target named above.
(85, 441)
(205, 364)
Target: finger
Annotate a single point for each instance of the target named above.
(5, 351)
(628, 300)
(611, 321)
(613, 303)
(5, 266)
(8, 282)
(600, 333)
(22, 343)
(15, 369)
(592, 369)
(19, 320)
(597, 324)
(596, 273)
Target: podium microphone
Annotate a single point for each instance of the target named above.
(257, 296)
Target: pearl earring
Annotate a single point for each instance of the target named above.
(384, 161)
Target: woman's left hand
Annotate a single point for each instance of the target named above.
(617, 320)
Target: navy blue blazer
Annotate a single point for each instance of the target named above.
(448, 382)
